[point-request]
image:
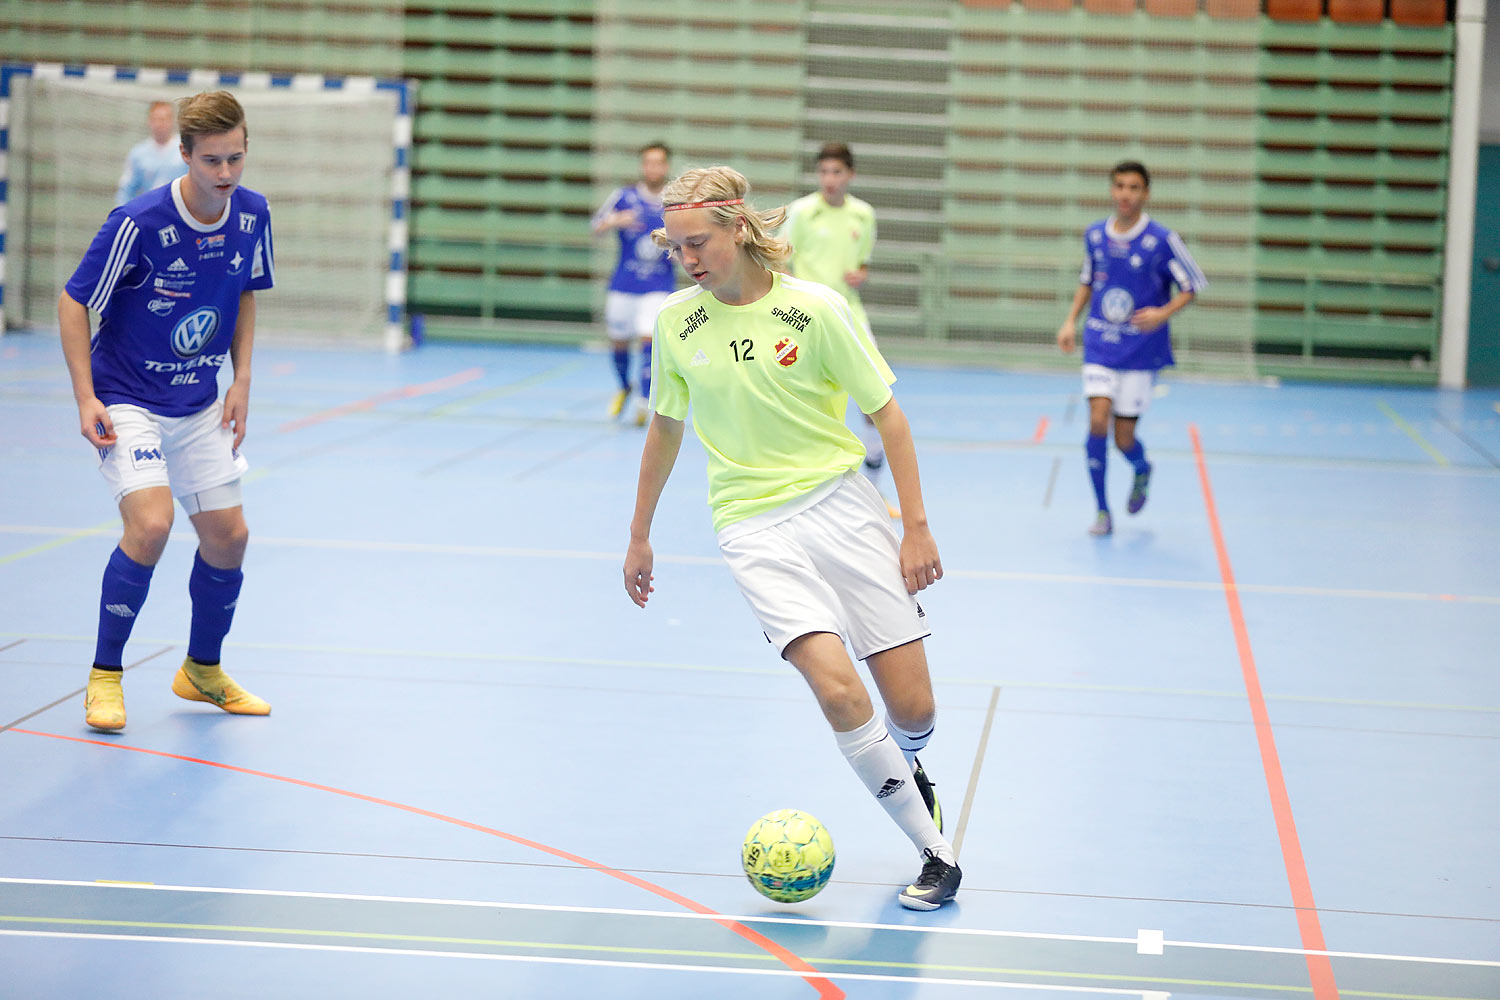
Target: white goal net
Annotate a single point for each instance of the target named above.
(329, 159)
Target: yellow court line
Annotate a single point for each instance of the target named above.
(97, 529)
(1127, 982)
(1412, 433)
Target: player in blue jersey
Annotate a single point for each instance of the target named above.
(152, 162)
(643, 277)
(173, 276)
(1136, 273)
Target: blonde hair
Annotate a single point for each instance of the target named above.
(212, 112)
(723, 183)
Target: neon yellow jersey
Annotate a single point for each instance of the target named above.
(829, 241)
(768, 383)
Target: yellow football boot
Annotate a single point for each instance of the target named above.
(104, 702)
(197, 682)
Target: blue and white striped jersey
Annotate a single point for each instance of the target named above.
(1130, 271)
(167, 288)
(642, 267)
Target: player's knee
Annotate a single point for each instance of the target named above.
(148, 532)
(915, 713)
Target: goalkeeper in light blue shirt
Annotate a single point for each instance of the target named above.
(155, 161)
(1136, 273)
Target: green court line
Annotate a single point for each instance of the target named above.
(580, 661)
(1412, 433)
(448, 409)
(862, 963)
(55, 543)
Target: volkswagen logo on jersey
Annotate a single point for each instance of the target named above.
(193, 332)
(1117, 305)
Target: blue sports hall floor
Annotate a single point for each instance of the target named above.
(1249, 746)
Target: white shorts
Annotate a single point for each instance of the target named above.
(1129, 388)
(189, 454)
(833, 567)
(627, 315)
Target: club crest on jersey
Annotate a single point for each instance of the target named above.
(167, 235)
(161, 307)
(193, 332)
(1117, 305)
(786, 352)
(247, 222)
(236, 263)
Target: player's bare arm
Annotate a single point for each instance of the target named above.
(237, 396)
(1067, 334)
(73, 322)
(663, 441)
(1149, 318)
(920, 565)
(857, 277)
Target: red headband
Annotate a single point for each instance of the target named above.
(703, 204)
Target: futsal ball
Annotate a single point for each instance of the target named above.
(787, 856)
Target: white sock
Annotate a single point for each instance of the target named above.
(910, 743)
(878, 762)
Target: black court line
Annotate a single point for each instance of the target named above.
(11, 645)
(526, 427)
(474, 929)
(1052, 480)
(734, 876)
(1459, 433)
(564, 454)
(76, 692)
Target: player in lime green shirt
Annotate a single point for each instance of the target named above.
(768, 362)
(832, 234)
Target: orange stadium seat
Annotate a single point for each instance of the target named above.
(1357, 11)
(1294, 10)
(1048, 5)
(1419, 13)
(1232, 8)
(1171, 8)
(1110, 6)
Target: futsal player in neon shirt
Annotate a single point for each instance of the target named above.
(832, 234)
(768, 362)
(642, 277)
(1136, 275)
(173, 275)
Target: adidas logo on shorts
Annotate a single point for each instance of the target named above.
(891, 787)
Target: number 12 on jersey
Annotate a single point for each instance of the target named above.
(742, 349)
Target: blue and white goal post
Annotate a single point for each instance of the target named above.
(332, 154)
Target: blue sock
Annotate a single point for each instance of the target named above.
(1098, 452)
(1136, 456)
(646, 368)
(622, 363)
(215, 593)
(120, 599)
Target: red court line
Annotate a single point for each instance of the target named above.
(405, 392)
(826, 989)
(1041, 431)
(1319, 969)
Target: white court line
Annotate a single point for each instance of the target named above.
(1015, 576)
(1132, 941)
(459, 656)
(598, 963)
